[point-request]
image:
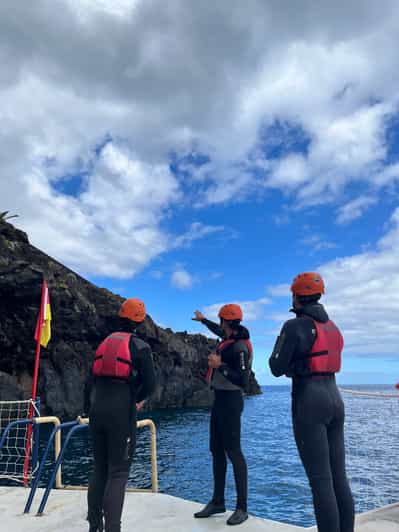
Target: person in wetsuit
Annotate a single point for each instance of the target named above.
(308, 350)
(122, 378)
(229, 369)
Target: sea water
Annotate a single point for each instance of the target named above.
(278, 488)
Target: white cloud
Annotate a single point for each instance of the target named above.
(280, 290)
(87, 8)
(315, 242)
(354, 209)
(389, 174)
(197, 231)
(113, 227)
(161, 77)
(362, 296)
(343, 149)
(289, 172)
(182, 279)
(252, 310)
(231, 183)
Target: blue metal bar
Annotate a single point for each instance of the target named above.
(50, 483)
(36, 480)
(11, 426)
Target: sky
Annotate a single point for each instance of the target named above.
(198, 153)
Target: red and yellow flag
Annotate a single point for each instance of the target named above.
(43, 325)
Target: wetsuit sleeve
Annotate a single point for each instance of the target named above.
(145, 380)
(87, 393)
(281, 359)
(213, 327)
(238, 371)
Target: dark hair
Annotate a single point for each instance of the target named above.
(125, 325)
(234, 324)
(305, 300)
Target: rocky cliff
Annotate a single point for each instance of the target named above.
(82, 317)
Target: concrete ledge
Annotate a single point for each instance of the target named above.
(148, 512)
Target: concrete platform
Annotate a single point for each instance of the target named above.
(147, 512)
(386, 519)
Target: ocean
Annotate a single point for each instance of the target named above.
(278, 488)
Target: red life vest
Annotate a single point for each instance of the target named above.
(113, 357)
(222, 346)
(325, 355)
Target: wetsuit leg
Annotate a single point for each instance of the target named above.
(218, 459)
(98, 478)
(312, 412)
(120, 445)
(337, 461)
(240, 477)
(113, 422)
(314, 452)
(229, 407)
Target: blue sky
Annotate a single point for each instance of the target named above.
(254, 252)
(193, 155)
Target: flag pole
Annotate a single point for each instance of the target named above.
(34, 382)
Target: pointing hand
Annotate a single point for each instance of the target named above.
(198, 316)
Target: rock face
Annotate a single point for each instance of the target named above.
(83, 315)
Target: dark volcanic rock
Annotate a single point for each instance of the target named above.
(83, 315)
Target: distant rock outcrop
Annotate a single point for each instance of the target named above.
(82, 317)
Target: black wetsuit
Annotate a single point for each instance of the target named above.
(113, 432)
(228, 382)
(318, 421)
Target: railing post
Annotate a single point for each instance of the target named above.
(55, 434)
(78, 426)
(154, 465)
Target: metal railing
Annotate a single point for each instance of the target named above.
(79, 425)
(154, 465)
(369, 394)
(30, 437)
(35, 421)
(56, 437)
(372, 446)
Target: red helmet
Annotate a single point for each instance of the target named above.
(230, 312)
(133, 309)
(307, 284)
